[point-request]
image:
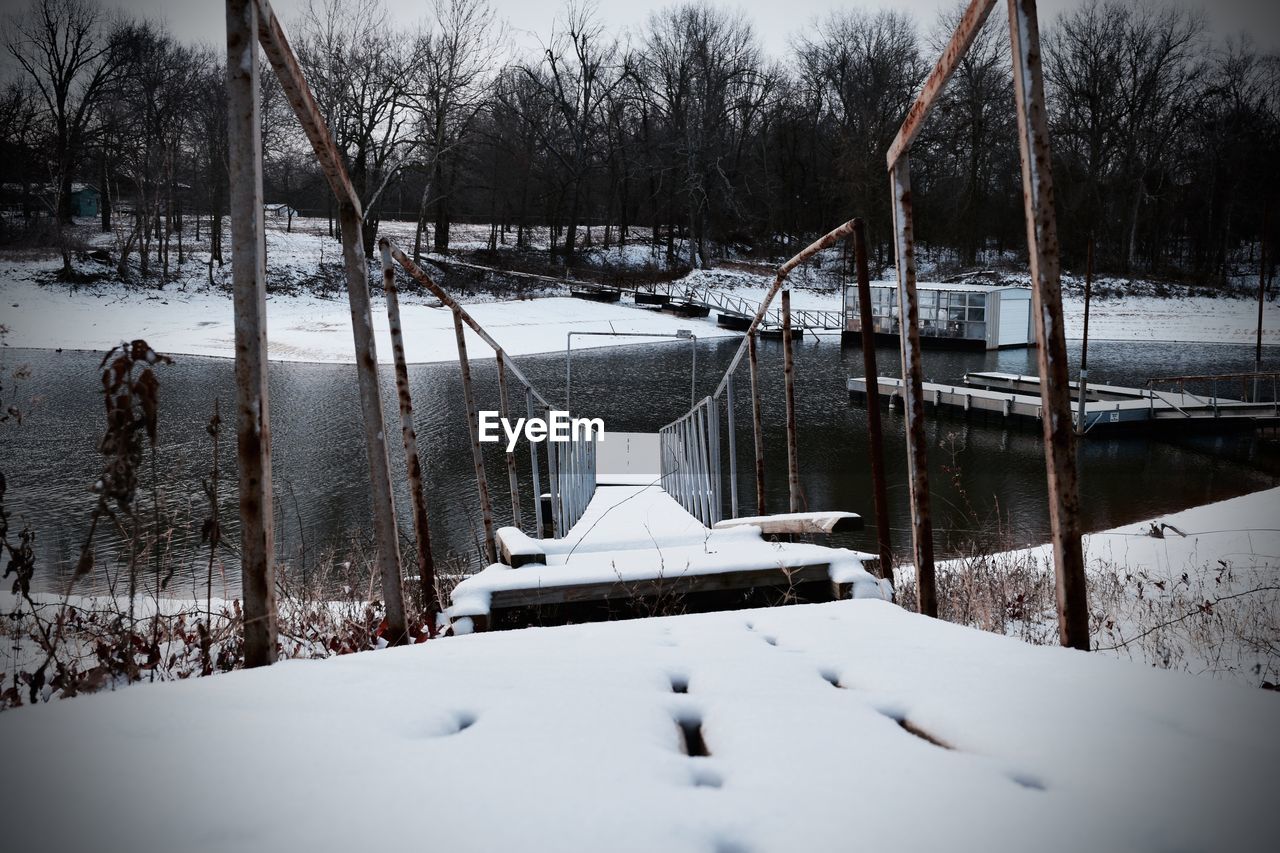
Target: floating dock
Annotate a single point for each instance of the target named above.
(1016, 398)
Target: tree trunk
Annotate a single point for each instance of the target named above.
(105, 195)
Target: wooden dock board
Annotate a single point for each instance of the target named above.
(1017, 397)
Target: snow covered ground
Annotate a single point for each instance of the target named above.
(1202, 595)
(852, 725)
(308, 328)
(1192, 319)
(188, 317)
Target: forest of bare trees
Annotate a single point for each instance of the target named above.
(683, 133)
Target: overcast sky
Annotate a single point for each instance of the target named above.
(776, 21)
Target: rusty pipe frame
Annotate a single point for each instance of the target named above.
(249, 278)
(913, 392)
(412, 453)
(473, 427)
(503, 410)
(875, 429)
(975, 15)
(385, 530)
(824, 242)
(275, 44)
(757, 427)
(420, 276)
(789, 398)
(1051, 349)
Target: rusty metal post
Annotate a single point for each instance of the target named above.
(511, 457)
(409, 440)
(1084, 343)
(913, 388)
(248, 273)
(733, 450)
(755, 419)
(789, 392)
(533, 464)
(473, 425)
(1262, 294)
(875, 430)
(1051, 346)
(386, 534)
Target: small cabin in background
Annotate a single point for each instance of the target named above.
(279, 210)
(85, 200)
(952, 316)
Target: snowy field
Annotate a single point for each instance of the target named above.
(189, 317)
(852, 725)
(307, 328)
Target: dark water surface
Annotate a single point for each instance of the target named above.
(988, 481)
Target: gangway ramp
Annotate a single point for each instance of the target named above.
(636, 552)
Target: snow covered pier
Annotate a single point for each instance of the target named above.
(637, 552)
(1017, 398)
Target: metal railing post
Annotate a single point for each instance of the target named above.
(733, 450)
(913, 388)
(504, 410)
(1051, 349)
(875, 428)
(756, 421)
(533, 464)
(409, 441)
(477, 456)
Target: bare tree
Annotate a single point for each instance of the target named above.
(68, 49)
(862, 70)
(579, 70)
(449, 83)
(357, 66)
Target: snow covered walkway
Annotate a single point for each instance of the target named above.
(834, 727)
(637, 541)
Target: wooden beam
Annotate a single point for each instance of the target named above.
(795, 523)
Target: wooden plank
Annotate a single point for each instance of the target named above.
(516, 549)
(793, 523)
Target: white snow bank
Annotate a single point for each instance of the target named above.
(1203, 596)
(565, 739)
(307, 328)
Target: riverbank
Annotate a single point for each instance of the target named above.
(310, 329)
(1196, 591)
(308, 319)
(1170, 319)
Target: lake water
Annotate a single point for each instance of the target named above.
(988, 481)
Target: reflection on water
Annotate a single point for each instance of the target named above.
(987, 481)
